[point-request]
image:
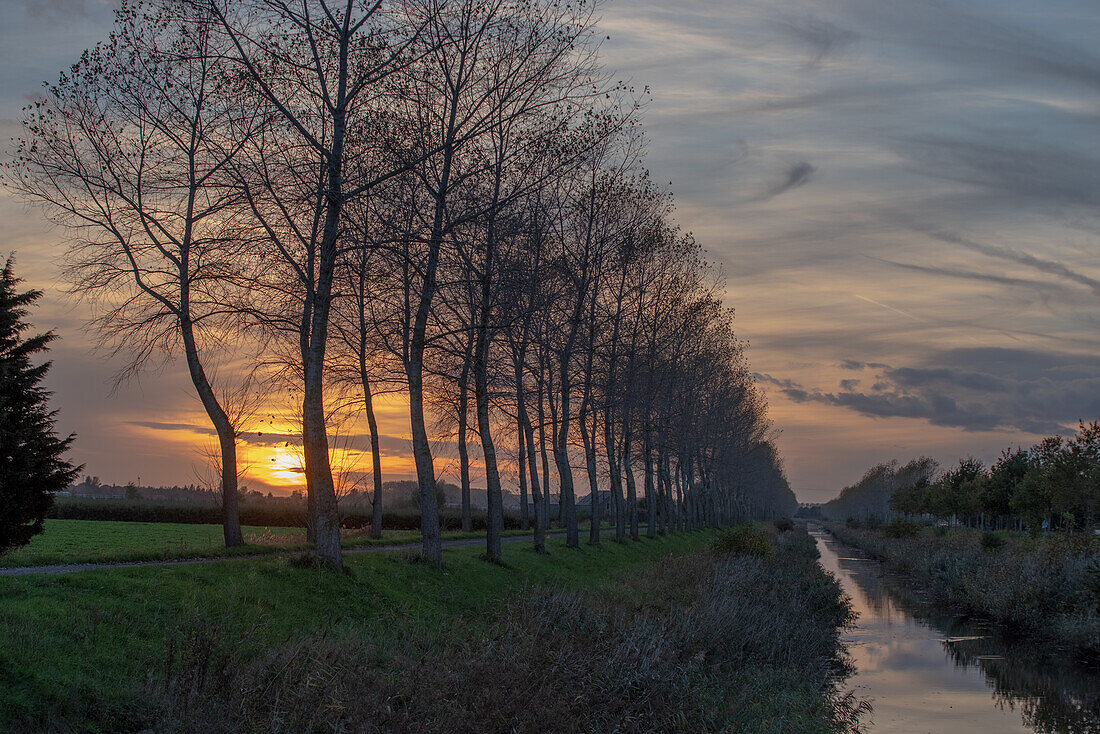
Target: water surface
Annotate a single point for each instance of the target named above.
(947, 675)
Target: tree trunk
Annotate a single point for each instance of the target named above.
(537, 496)
(521, 466)
(589, 438)
(631, 487)
(227, 436)
(650, 500)
(375, 453)
(616, 479)
(545, 463)
(463, 449)
(494, 521)
(375, 466)
(565, 471)
(432, 548)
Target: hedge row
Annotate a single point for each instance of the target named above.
(251, 514)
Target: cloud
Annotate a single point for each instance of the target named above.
(1051, 267)
(798, 174)
(976, 389)
(967, 274)
(390, 446)
(164, 426)
(820, 37)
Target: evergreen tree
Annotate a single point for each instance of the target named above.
(31, 454)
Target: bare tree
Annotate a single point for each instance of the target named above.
(129, 151)
(316, 68)
(483, 65)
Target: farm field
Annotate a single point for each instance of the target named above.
(106, 541)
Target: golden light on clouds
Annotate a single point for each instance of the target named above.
(873, 196)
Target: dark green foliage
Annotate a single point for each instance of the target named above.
(743, 540)
(1053, 485)
(899, 527)
(992, 541)
(32, 464)
(873, 498)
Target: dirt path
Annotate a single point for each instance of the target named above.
(63, 568)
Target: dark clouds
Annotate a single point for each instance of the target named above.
(798, 174)
(820, 38)
(977, 389)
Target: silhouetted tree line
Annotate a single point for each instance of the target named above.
(1054, 484)
(445, 199)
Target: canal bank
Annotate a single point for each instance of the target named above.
(924, 672)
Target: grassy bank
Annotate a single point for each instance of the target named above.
(1045, 588)
(648, 636)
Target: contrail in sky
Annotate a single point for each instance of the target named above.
(883, 305)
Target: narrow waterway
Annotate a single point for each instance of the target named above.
(945, 675)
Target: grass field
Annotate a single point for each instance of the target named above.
(104, 541)
(85, 648)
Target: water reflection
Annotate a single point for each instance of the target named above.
(931, 673)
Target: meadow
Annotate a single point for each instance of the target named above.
(105, 541)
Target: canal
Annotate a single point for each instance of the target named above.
(924, 672)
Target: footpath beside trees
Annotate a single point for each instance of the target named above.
(32, 463)
(457, 194)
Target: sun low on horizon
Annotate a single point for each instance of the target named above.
(901, 195)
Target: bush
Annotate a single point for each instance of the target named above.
(992, 541)
(783, 524)
(743, 540)
(899, 527)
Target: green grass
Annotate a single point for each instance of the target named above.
(107, 541)
(88, 642)
(93, 541)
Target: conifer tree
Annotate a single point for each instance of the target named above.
(32, 463)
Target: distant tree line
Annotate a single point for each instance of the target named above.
(445, 199)
(1054, 484)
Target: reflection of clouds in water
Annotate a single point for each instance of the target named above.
(944, 674)
(901, 663)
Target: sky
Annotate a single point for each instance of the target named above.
(904, 195)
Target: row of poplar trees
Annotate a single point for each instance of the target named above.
(441, 197)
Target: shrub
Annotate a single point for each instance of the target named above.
(992, 541)
(783, 524)
(743, 540)
(899, 527)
